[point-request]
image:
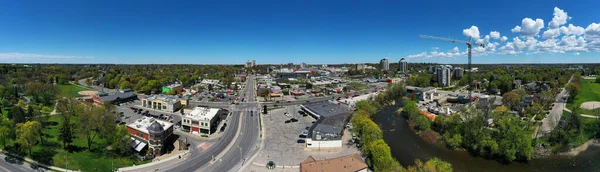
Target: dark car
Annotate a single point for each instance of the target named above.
(287, 121)
(223, 127)
(307, 127)
(139, 112)
(301, 112)
(301, 141)
(294, 120)
(302, 136)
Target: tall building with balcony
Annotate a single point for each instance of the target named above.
(384, 64)
(443, 75)
(402, 65)
(458, 72)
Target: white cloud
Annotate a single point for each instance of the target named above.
(551, 33)
(576, 54)
(572, 30)
(529, 27)
(29, 55)
(517, 29)
(504, 38)
(495, 35)
(509, 48)
(592, 37)
(560, 18)
(472, 32)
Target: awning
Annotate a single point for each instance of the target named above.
(140, 146)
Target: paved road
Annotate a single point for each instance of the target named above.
(13, 164)
(246, 144)
(550, 122)
(201, 160)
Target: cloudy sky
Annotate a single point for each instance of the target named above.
(312, 31)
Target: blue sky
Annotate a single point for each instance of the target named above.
(281, 31)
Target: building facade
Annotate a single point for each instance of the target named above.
(150, 133)
(163, 103)
(458, 72)
(327, 131)
(384, 64)
(115, 98)
(402, 65)
(443, 76)
(201, 120)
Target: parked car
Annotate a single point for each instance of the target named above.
(301, 141)
(302, 136)
(287, 121)
(294, 120)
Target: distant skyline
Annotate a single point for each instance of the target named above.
(311, 31)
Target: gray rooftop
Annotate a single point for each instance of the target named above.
(325, 108)
(116, 96)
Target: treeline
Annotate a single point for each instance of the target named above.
(506, 138)
(144, 78)
(376, 150)
(26, 125)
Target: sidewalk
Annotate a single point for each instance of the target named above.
(169, 159)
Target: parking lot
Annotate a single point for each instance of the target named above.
(281, 142)
(128, 115)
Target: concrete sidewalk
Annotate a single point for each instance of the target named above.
(169, 159)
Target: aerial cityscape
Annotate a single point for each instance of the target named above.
(309, 86)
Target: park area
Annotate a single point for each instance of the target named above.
(71, 90)
(51, 151)
(587, 99)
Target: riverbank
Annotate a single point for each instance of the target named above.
(576, 151)
(406, 146)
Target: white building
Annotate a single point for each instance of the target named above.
(384, 64)
(402, 66)
(201, 120)
(443, 75)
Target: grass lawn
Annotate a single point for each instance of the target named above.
(78, 157)
(590, 91)
(589, 129)
(357, 86)
(70, 90)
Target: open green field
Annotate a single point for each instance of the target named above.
(77, 155)
(70, 90)
(590, 91)
(357, 86)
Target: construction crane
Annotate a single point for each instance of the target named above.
(469, 45)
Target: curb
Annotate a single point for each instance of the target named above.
(131, 168)
(31, 161)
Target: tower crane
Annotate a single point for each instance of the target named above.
(469, 45)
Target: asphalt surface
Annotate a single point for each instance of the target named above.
(550, 122)
(14, 164)
(199, 160)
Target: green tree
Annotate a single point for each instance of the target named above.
(66, 108)
(17, 115)
(452, 140)
(422, 123)
(433, 165)
(121, 141)
(533, 110)
(367, 106)
(27, 134)
(21, 104)
(125, 85)
(411, 109)
(6, 129)
(597, 79)
(510, 99)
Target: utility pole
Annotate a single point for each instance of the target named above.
(469, 46)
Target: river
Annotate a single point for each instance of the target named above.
(407, 146)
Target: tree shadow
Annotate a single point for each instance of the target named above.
(44, 156)
(14, 159)
(74, 148)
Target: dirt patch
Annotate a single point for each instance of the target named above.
(590, 105)
(87, 93)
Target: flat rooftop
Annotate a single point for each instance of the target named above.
(202, 113)
(325, 109)
(166, 98)
(144, 122)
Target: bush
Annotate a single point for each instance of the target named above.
(430, 136)
(422, 123)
